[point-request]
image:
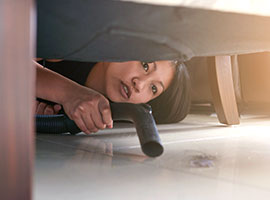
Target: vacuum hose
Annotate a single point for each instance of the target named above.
(139, 114)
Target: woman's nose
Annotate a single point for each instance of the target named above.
(138, 84)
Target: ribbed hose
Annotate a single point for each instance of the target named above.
(55, 124)
(139, 114)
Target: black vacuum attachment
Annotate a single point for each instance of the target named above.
(139, 114)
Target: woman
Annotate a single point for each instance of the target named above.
(162, 84)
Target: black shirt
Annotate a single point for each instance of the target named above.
(74, 70)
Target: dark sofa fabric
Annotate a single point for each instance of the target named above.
(110, 30)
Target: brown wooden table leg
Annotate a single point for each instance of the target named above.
(17, 89)
(222, 88)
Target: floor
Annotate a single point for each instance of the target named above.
(202, 160)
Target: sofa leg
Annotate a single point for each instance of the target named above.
(17, 90)
(222, 88)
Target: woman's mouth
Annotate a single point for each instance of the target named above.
(125, 90)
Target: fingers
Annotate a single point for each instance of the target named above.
(80, 123)
(89, 109)
(97, 119)
(90, 119)
(45, 109)
(83, 120)
(48, 110)
(57, 108)
(39, 108)
(90, 124)
(106, 116)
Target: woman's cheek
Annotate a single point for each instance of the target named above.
(113, 94)
(141, 98)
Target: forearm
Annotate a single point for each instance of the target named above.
(88, 108)
(53, 86)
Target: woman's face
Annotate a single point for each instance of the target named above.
(137, 82)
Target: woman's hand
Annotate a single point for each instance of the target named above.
(46, 109)
(89, 109)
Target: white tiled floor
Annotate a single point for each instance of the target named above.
(202, 160)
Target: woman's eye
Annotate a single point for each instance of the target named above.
(154, 89)
(145, 66)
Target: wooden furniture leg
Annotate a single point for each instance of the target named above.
(17, 89)
(222, 88)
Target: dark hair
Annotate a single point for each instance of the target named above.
(173, 104)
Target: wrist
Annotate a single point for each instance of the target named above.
(68, 91)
